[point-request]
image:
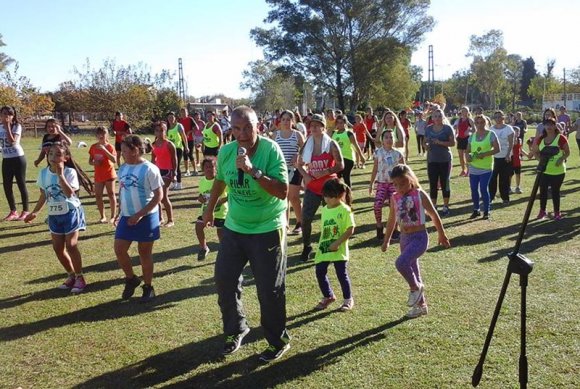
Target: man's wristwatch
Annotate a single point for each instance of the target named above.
(256, 173)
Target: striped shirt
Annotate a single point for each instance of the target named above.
(136, 186)
(48, 182)
(289, 146)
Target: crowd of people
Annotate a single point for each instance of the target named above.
(254, 171)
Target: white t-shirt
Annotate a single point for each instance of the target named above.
(11, 150)
(577, 127)
(502, 135)
(386, 160)
(49, 183)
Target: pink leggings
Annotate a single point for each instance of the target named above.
(384, 191)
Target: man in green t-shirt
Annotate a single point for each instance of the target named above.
(253, 170)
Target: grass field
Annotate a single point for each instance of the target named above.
(50, 339)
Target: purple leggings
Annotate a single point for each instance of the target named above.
(413, 245)
(384, 192)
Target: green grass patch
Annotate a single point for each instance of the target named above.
(53, 340)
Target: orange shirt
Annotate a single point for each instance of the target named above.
(360, 131)
(104, 167)
(121, 130)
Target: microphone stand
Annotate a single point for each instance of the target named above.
(518, 264)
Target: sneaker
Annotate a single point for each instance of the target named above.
(558, 216)
(306, 252)
(485, 216)
(172, 185)
(325, 302)
(202, 253)
(194, 173)
(380, 234)
(297, 230)
(518, 190)
(444, 211)
(541, 215)
(347, 305)
(79, 285)
(187, 174)
(417, 310)
(512, 191)
(148, 294)
(11, 216)
(475, 214)
(130, 285)
(233, 342)
(68, 283)
(415, 295)
(23, 215)
(176, 186)
(273, 353)
(505, 202)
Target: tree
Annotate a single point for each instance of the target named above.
(528, 73)
(271, 87)
(513, 73)
(330, 43)
(488, 64)
(5, 60)
(18, 91)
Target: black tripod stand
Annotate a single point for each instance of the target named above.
(518, 264)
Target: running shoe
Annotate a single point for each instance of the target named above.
(130, 285)
(79, 285)
(417, 310)
(273, 353)
(11, 216)
(325, 302)
(68, 283)
(148, 294)
(233, 342)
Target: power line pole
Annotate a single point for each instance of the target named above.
(181, 83)
(565, 94)
(431, 75)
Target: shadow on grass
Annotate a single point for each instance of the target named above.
(92, 287)
(246, 373)
(105, 311)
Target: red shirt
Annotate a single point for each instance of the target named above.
(406, 123)
(317, 164)
(360, 132)
(369, 121)
(463, 128)
(516, 158)
(121, 129)
(187, 123)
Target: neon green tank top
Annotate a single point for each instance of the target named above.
(210, 139)
(220, 211)
(174, 136)
(478, 147)
(344, 143)
(551, 168)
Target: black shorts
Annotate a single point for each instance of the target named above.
(167, 174)
(516, 170)
(217, 223)
(118, 146)
(296, 178)
(211, 151)
(462, 143)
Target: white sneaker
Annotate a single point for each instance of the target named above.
(172, 185)
(347, 305)
(417, 310)
(415, 295)
(518, 190)
(187, 174)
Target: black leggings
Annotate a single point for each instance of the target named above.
(179, 153)
(15, 167)
(420, 147)
(345, 173)
(439, 173)
(189, 155)
(556, 183)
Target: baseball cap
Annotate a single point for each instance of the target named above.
(318, 118)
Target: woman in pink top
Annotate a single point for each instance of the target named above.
(164, 156)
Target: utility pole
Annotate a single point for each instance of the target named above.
(565, 94)
(431, 75)
(181, 84)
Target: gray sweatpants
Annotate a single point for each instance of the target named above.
(266, 253)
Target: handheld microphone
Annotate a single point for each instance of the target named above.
(241, 151)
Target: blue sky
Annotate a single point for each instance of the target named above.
(212, 37)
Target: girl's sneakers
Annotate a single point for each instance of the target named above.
(325, 302)
(417, 310)
(558, 216)
(347, 305)
(79, 285)
(541, 215)
(23, 216)
(68, 283)
(415, 295)
(11, 216)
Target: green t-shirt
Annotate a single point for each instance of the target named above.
(343, 140)
(205, 190)
(174, 135)
(252, 210)
(334, 222)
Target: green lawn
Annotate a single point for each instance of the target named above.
(50, 339)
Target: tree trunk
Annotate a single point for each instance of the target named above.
(339, 87)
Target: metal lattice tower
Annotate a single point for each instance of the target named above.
(431, 75)
(181, 84)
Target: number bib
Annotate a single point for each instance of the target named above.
(58, 208)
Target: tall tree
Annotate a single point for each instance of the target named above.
(513, 74)
(528, 73)
(489, 58)
(331, 42)
(4, 59)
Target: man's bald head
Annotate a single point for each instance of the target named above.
(245, 112)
